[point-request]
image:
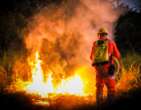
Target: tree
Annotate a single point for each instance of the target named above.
(128, 32)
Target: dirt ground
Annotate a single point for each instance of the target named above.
(18, 101)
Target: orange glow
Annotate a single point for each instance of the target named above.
(38, 85)
(81, 83)
(73, 85)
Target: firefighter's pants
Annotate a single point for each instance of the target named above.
(110, 84)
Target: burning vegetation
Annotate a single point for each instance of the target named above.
(45, 88)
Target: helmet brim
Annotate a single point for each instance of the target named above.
(103, 33)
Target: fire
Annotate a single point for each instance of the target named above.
(44, 89)
(73, 85)
(37, 73)
(38, 85)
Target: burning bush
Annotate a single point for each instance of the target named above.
(130, 77)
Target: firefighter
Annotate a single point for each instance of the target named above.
(102, 54)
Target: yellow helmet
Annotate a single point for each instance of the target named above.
(102, 31)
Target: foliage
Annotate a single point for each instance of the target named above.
(128, 32)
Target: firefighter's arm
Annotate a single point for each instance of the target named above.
(117, 54)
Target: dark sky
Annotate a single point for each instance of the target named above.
(134, 5)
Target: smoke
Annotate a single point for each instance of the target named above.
(64, 33)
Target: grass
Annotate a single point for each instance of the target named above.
(129, 85)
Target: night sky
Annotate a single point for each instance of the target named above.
(134, 5)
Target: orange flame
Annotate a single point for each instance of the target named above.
(73, 85)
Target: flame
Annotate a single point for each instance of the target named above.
(73, 85)
(37, 72)
(82, 84)
(37, 85)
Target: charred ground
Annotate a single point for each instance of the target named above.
(18, 101)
